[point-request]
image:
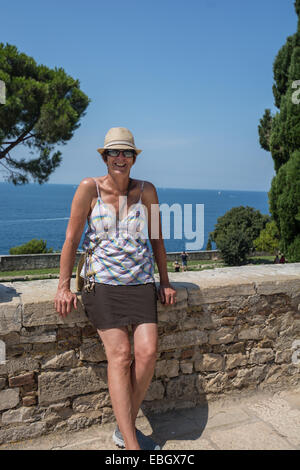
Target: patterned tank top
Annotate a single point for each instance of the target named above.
(121, 254)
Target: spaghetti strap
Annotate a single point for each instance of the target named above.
(140, 200)
(98, 192)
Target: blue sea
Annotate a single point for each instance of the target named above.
(42, 212)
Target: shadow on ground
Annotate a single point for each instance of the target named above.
(179, 424)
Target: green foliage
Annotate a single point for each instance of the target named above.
(33, 246)
(278, 144)
(209, 244)
(281, 135)
(284, 197)
(293, 251)
(43, 108)
(264, 130)
(268, 239)
(235, 232)
(234, 246)
(297, 7)
(280, 70)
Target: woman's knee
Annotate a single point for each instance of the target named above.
(120, 355)
(146, 352)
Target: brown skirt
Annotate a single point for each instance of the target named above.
(111, 306)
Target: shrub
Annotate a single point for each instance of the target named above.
(31, 247)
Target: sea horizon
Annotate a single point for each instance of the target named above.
(42, 212)
(158, 187)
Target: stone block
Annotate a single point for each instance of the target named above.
(107, 415)
(67, 359)
(35, 337)
(10, 309)
(55, 386)
(92, 401)
(219, 291)
(212, 383)
(260, 356)
(279, 285)
(187, 354)
(29, 399)
(250, 333)
(210, 362)
(235, 360)
(66, 333)
(11, 339)
(2, 383)
(168, 368)
(92, 350)
(24, 431)
(43, 313)
(186, 367)
(247, 377)
(283, 356)
(182, 339)
(9, 398)
(81, 421)
(23, 379)
(223, 335)
(181, 388)
(155, 391)
(20, 415)
(171, 317)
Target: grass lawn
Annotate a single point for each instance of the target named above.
(195, 265)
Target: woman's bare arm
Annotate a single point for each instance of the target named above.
(150, 200)
(80, 208)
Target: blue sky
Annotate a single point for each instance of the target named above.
(190, 79)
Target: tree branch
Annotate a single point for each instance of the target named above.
(20, 139)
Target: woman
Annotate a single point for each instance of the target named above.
(123, 291)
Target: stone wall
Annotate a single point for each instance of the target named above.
(232, 330)
(51, 260)
(35, 261)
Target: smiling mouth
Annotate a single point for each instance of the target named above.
(120, 165)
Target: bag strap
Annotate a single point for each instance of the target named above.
(88, 285)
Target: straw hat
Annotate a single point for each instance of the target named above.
(119, 138)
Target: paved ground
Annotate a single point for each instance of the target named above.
(256, 421)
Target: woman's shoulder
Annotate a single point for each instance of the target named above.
(91, 182)
(149, 193)
(147, 185)
(88, 185)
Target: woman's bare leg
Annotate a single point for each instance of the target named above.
(118, 353)
(142, 368)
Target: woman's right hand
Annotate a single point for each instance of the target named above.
(64, 301)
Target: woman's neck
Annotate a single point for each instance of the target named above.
(119, 184)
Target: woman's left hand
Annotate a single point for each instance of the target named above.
(167, 294)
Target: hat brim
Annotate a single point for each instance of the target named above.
(118, 147)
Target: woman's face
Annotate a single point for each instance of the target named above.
(120, 164)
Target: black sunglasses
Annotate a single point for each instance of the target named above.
(116, 153)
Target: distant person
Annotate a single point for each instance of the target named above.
(176, 266)
(276, 260)
(282, 260)
(184, 257)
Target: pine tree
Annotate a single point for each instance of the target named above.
(43, 107)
